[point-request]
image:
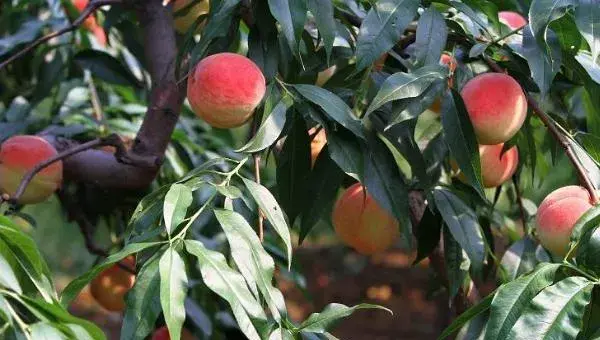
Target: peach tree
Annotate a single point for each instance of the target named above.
(192, 142)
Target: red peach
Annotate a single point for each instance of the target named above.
(557, 215)
(184, 22)
(362, 223)
(317, 144)
(90, 22)
(496, 167)
(225, 88)
(513, 20)
(111, 285)
(20, 154)
(163, 334)
(445, 59)
(496, 105)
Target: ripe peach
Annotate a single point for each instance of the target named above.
(90, 23)
(18, 155)
(184, 22)
(495, 169)
(496, 105)
(445, 59)
(557, 215)
(110, 286)
(325, 75)
(380, 62)
(362, 223)
(163, 334)
(317, 144)
(225, 88)
(513, 20)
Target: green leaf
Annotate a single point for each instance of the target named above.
(270, 129)
(293, 168)
(272, 211)
(220, 17)
(589, 220)
(591, 143)
(587, 13)
(386, 185)
(173, 290)
(382, 28)
(461, 140)
(457, 264)
(255, 264)
(588, 251)
(323, 184)
(75, 286)
(478, 50)
(45, 331)
(556, 312)
(590, 66)
(471, 14)
(519, 258)
(291, 15)
(513, 298)
(542, 13)
(8, 278)
(469, 314)
(463, 224)
(432, 33)
(407, 85)
(177, 201)
(106, 67)
(428, 234)
(229, 285)
(333, 106)
(322, 10)
(333, 312)
(27, 32)
(345, 151)
(143, 302)
(25, 251)
(542, 65)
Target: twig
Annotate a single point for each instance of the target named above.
(520, 202)
(87, 11)
(256, 159)
(113, 140)
(558, 136)
(95, 100)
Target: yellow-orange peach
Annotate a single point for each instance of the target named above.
(225, 88)
(496, 105)
(362, 223)
(185, 21)
(513, 20)
(163, 334)
(557, 215)
(317, 144)
(445, 59)
(18, 155)
(90, 22)
(111, 285)
(325, 75)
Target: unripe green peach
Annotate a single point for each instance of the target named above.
(513, 20)
(362, 223)
(496, 167)
(184, 22)
(496, 105)
(111, 285)
(557, 215)
(225, 88)
(20, 154)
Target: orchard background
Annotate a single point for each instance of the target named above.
(216, 170)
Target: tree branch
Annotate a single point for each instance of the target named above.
(87, 11)
(556, 133)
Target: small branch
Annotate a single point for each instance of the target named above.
(520, 202)
(95, 100)
(558, 136)
(87, 11)
(256, 159)
(113, 140)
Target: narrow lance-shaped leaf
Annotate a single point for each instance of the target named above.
(270, 129)
(460, 137)
(173, 289)
(463, 224)
(272, 211)
(542, 13)
(407, 85)
(432, 33)
(587, 18)
(382, 28)
(230, 286)
(469, 314)
(291, 15)
(7, 276)
(556, 312)
(255, 264)
(322, 10)
(513, 298)
(321, 322)
(177, 201)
